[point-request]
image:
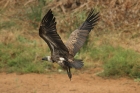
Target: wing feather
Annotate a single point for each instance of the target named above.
(48, 33)
(79, 36)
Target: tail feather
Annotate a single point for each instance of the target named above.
(77, 64)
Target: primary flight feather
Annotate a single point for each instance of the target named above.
(62, 53)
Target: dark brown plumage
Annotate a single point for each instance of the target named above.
(62, 53)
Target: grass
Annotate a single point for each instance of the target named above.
(21, 51)
(7, 24)
(22, 57)
(117, 61)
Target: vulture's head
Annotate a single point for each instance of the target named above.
(47, 58)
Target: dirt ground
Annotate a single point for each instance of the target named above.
(59, 83)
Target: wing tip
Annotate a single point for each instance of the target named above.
(91, 20)
(93, 15)
(48, 19)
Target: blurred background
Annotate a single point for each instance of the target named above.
(112, 48)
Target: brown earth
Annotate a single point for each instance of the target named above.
(59, 83)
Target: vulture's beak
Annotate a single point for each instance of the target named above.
(45, 58)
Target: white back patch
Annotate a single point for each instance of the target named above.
(61, 59)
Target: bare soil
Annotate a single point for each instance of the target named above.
(60, 83)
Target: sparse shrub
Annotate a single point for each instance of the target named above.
(117, 61)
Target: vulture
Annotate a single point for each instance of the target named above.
(61, 53)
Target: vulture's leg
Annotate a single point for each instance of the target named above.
(69, 73)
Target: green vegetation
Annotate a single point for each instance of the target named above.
(21, 49)
(22, 57)
(117, 60)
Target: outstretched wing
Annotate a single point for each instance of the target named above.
(79, 36)
(47, 32)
